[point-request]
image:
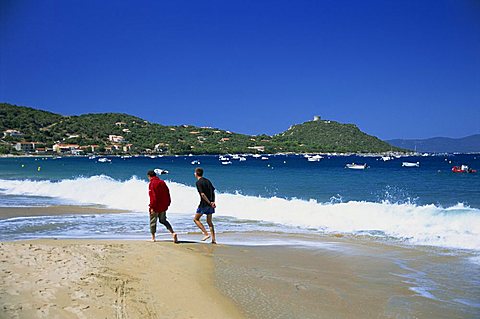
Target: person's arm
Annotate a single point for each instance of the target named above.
(169, 199)
(151, 193)
(205, 198)
(213, 197)
(201, 191)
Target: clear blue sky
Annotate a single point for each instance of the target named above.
(403, 68)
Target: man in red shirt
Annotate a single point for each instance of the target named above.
(159, 202)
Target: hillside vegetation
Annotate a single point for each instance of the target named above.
(50, 128)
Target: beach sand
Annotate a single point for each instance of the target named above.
(341, 278)
(290, 276)
(12, 212)
(109, 279)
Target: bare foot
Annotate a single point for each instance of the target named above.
(206, 237)
(214, 242)
(175, 238)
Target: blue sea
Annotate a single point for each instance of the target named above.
(426, 205)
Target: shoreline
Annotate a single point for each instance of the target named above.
(220, 154)
(341, 278)
(14, 212)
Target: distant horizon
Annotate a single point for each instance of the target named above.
(394, 68)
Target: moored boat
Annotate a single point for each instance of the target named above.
(410, 164)
(356, 166)
(315, 158)
(160, 171)
(463, 169)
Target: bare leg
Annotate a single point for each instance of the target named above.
(197, 221)
(163, 220)
(153, 224)
(212, 228)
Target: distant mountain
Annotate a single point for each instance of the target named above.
(111, 132)
(469, 144)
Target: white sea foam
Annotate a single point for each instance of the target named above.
(455, 227)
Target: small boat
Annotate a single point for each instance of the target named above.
(386, 158)
(152, 156)
(104, 160)
(463, 169)
(223, 158)
(356, 166)
(410, 164)
(226, 163)
(92, 157)
(235, 156)
(256, 155)
(160, 171)
(242, 159)
(125, 156)
(315, 158)
(195, 162)
(264, 158)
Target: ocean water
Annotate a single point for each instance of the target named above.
(428, 205)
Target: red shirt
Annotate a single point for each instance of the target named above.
(159, 195)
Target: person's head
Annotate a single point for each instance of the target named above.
(198, 172)
(151, 174)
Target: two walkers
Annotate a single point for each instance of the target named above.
(160, 201)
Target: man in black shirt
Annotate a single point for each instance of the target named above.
(207, 204)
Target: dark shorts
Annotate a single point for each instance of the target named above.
(206, 210)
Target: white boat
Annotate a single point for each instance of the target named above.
(256, 155)
(410, 164)
(315, 158)
(356, 166)
(92, 157)
(195, 162)
(226, 163)
(386, 158)
(160, 171)
(242, 159)
(125, 156)
(235, 156)
(223, 158)
(264, 158)
(104, 160)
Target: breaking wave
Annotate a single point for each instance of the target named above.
(455, 227)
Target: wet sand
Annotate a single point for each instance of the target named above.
(11, 212)
(345, 279)
(340, 278)
(314, 276)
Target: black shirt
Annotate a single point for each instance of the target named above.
(205, 186)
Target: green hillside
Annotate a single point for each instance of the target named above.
(94, 129)
(327, 136)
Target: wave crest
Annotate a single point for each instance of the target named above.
(456, 227)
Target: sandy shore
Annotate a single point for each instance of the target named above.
(10, 212)
(109, 279)
(338, 278)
